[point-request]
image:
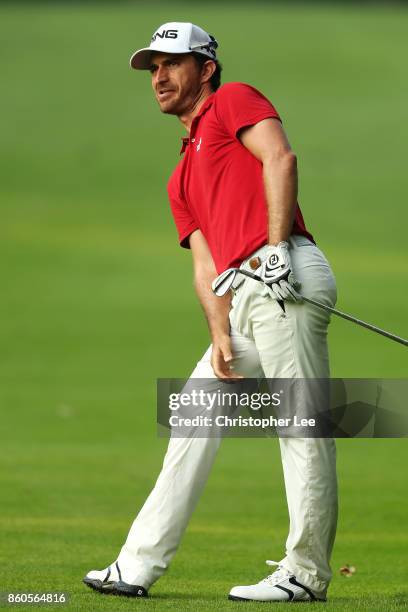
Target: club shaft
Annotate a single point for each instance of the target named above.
(341, 314)
(348, 317)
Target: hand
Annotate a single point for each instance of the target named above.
(276, 272)
(221, 358)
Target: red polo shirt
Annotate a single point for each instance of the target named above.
(218, 187)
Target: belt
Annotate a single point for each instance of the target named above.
(254, 261)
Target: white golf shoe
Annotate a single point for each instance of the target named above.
(279, 586)
(109, 581)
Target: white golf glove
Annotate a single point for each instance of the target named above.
(276, 272)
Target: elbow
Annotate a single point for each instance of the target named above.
(204, 275)
(285, 159)
(291, 160)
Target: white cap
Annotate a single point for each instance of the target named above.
(176, 37)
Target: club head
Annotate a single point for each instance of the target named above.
(223, 282)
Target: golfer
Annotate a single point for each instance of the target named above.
(233, 196)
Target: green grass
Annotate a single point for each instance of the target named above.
(84, 159)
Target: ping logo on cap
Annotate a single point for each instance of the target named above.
(165, 34)
(175, 37)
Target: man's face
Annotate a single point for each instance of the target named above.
(176, 81)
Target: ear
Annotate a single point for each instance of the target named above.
(207, 70)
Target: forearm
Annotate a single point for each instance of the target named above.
(216, 309)
(281, 186)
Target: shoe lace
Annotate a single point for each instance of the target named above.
(280, 574)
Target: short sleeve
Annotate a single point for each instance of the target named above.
(239, 105)
(183, 218)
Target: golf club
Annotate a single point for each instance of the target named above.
(224, 281)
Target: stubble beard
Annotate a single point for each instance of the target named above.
(177, 107)
(169, 109)
(181, 105)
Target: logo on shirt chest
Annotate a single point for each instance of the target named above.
(196, 142)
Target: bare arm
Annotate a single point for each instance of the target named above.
(267, 141)
(216, 309)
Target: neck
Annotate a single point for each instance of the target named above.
(187, 116)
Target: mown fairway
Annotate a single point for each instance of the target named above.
(86, 329)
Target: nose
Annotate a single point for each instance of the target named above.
(161, 75)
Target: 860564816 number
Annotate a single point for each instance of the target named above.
(34, 598)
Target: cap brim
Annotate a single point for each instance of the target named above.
(140, 60)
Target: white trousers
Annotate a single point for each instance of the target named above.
(267, 341)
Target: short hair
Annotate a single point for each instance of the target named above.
(215, 80)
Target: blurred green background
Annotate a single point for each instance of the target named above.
(86, 328)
